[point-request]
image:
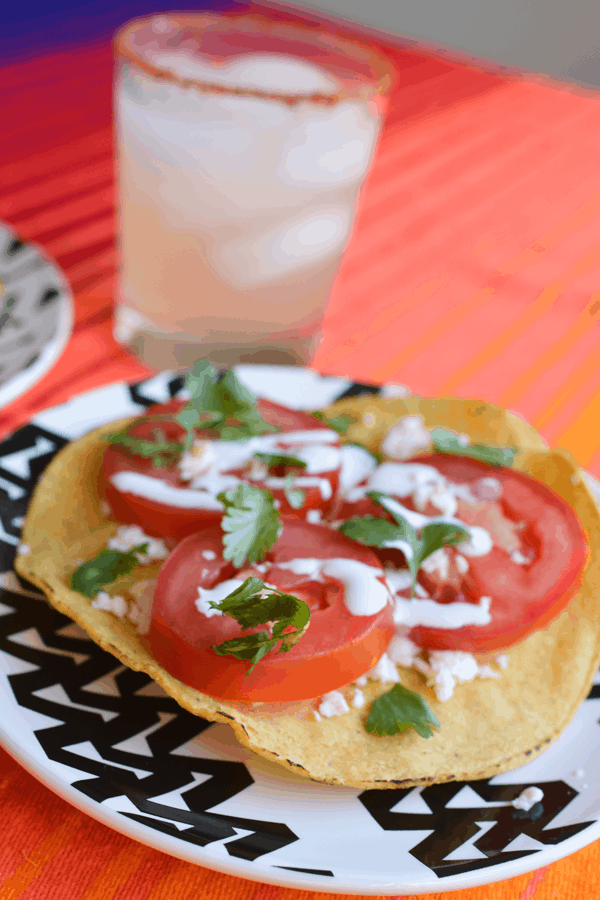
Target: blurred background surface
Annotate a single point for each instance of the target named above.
(544, 36)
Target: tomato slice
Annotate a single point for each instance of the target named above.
(163, 520)
(525, 597)
(336, 648)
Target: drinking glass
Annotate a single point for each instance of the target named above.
(242, 145)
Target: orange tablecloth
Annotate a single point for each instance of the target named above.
(473, 270)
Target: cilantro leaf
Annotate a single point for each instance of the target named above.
(253, 604)
(376, 532)
(445, 441)
(215, 401)
(370, 530)
(340, 423)
(109, 565)
(234, 396)
(203, 386)
(251, 523)
(294, 497)
(160, 451)
(398, 710)
(278, 459)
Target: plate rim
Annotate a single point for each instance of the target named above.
(44, 770)
(22, 382)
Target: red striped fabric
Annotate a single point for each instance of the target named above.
(473, 269)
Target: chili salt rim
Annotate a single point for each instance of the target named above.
(377, 84)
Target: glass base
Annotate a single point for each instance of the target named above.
(161, 350)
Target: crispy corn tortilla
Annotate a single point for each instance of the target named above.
(489, 725)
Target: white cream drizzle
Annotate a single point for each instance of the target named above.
(479, 544)
(415, 612)
(357, 464)
(154, 489)
(206, 465)
(216, 594)
(302, 481)
(364, 594)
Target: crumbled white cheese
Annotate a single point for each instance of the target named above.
(528, 798)
(486, 671)
(317, 715)
(407, 437)
(116, 604)
(128, 536)
(314, 516)
(23, 549)
(384, 670)
(448, 667)
(140, 612)
(480, 542)
(487, 489)
(403, 651)
(197, 461)
(333, 704)
(209, 554)
(216, 594)
(501, 660)
(436, 494)
(438, 563)
(462, 564)
(358, 699)
(361, 681)
(519, 558)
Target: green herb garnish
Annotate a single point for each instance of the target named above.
(160, 451)
(109, 565)
(340, 423)
(294, 496)
(223, 404)
(278, 459)
(253, 604)
(375, 532)
(445, 441)
(251, 524)
(398, 710)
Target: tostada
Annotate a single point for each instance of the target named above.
(440, 593)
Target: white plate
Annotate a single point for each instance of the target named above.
(36, 311)
(113, 744)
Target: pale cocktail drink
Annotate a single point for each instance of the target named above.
(242, 146)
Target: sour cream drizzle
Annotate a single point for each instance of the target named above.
(479, 544)
(154, 489)
(364, 593)
(226, 455)
(411, 613)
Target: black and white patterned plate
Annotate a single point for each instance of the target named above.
(36, 314)
(112, 743)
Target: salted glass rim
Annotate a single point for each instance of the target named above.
(355, 52)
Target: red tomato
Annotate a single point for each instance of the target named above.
(527, 597)
(169, 521)
(336, 648)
